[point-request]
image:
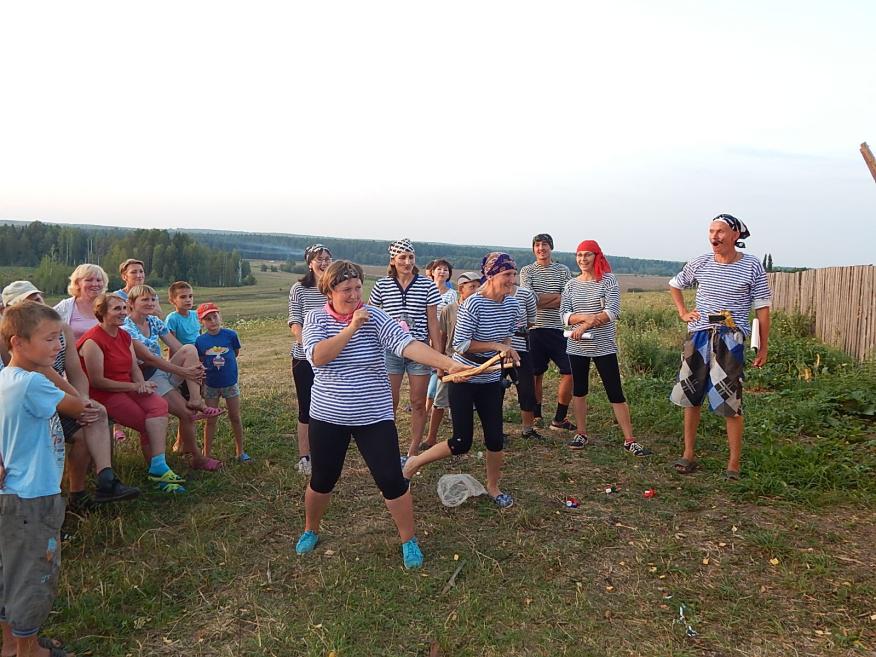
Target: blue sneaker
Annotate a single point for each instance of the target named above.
(411, 554)
(504, 500)
(306, 542)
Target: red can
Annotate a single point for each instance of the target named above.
(648, 494)
(570, 502)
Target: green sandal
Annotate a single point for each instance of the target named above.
(169, 477)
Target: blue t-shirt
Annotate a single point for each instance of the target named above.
(186, 328)
(225, 343)
(31, 437)
(156, 330)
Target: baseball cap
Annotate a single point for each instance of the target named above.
(206, 308)
(468, 277)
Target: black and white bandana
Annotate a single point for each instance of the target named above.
(736, 225)
(401, 246)
(313, 250)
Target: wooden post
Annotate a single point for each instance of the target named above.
(869, 159)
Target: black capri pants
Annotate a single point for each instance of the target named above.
(487, 401)
(302, 374)
(378, 445)
(609, 372)
(526, 382)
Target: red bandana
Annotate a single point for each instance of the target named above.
(600, 266)
(343, 319)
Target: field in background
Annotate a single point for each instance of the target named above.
(781, 563)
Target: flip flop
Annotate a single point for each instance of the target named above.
(208, 412)
(731, 475)
(210, 465)
(684, 467)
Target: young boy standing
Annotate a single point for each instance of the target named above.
(182, 322)
(31, 466)
(218, 348)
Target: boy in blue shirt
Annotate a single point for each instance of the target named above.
(31, 466)
(218, 348)
(182, 322)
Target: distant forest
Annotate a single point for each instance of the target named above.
(56, 250)
(373, 252)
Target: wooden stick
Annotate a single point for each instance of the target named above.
(489, 366)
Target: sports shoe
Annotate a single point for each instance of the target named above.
(504, 501)
(306, 542)
(636, 449)
(562, 425)
(532, 434)
(411, 554)
(115, 492)
(304, 466)
(578, 442)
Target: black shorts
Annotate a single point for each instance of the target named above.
(546, 345)
(70, 426)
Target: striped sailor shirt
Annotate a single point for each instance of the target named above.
(593, 297)
(301, 301)
(353, 389)
(484, 320)
(548, 279)
(525, 317)
(736, 287)
(408, 305)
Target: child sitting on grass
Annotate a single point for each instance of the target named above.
(182, 322)
(218, 349)
(31, 466)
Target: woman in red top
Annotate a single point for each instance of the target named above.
(116, 382)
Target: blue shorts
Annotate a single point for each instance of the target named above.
(400, 365)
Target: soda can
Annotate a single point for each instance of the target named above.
(570, 502)
(648, 494)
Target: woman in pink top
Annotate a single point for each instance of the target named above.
(87, 282)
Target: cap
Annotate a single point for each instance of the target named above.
(206, 308)
(468, 277)
(18, 291)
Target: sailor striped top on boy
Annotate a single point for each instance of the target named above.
(736, 287)
(408, 305)
(301, 301)
(593, 297)
(546, 280)
(525, 317)
(483, 320)
(353, 389)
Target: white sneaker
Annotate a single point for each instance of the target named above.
(304, 466)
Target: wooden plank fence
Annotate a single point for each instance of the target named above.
(842, 301)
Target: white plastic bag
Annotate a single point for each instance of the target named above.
(454, 489)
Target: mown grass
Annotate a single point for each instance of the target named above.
(778, 563)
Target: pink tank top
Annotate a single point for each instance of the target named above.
(79, 323)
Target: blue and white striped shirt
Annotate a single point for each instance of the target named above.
(301, 301)
(484, 320)
(407, 305)
(593, 297)
(546, 280)
(526, 316)
(353, 389)
(735, 287)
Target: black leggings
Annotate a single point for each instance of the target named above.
(526, 382)
(609, 372)
(487, 400)
(378, 445)
(302, 374)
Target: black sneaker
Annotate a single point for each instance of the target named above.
(532, 434)
(578, 442)
(115, 492)
(636, 449)
(562, 425)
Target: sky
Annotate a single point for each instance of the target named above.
(632, 123)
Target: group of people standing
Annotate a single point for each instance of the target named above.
(349, 358)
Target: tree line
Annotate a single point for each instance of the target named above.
(56, 250)
(373, 252)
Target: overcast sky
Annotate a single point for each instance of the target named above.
(628, 122)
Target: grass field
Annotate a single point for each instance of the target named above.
(780, 563)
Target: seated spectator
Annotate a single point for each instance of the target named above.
(87, 282)
(117, 382)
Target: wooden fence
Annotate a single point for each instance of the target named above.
(842, 300)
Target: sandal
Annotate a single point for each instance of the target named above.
(684, 467)
(731, 475)
(208, 464)
(176, 489)
(119, 436)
